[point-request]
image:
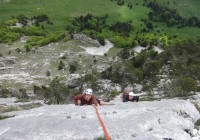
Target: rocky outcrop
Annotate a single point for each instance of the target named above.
(73, 80)
(165, 119)
(7, 60)
(86, 40)
(107, 86)
(10, 60)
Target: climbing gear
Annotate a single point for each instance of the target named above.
(89, 91)
(102, 124)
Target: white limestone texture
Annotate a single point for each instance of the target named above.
(143, 120)
(98, 50)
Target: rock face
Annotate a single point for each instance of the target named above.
(99, 50)
(106, 86)
(165, 119)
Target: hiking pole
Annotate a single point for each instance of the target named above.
(102, 124)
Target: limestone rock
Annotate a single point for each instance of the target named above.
(165, 119)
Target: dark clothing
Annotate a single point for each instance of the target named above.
(99, 101)
(126, 98)
(83, 101)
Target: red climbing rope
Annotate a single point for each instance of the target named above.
(102, 124)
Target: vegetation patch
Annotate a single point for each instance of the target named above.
(100, 138)
(55, 93)
(2, 117)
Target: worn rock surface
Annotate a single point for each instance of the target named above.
(165, 119)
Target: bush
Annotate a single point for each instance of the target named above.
(4, 92)
(151, 69)
(100, 138)
(113, 94)
(48, 73)
(56, 93)
(198, 88)
(23, 94)
(22, 100)
(2, 117)
(34, 31)
(188, 84)
(181, 87)
(116, 76)
(28, 48)
(88, 77)
(73, 67)
(11, 22)
(61, 65)
(124, 54)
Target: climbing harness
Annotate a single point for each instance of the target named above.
(102, 124)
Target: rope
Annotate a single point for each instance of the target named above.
(102, 124)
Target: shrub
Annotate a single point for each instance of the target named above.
(4, 92)
(22, 100)
(2, 117)
(88, 77)
(18, 50)
(56, 93)
(187, 84)
(100, 138)
(11, 22)
(23, 94)
(73, 66)
(48, 73)
(113, 94)
(124, 54)
(61, 65)
(27, 48)
(182, 86)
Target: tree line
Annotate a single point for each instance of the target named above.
(169, 16)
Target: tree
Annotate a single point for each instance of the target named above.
(149, 25)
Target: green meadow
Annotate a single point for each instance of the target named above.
(59, 10)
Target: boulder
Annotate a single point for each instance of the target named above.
(137, 88)
(116, 87)
(128, 89)
(86, 40)
(73, 80)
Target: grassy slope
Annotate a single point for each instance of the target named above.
(58, 10)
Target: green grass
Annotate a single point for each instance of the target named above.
(22, 100)
(59, 10)
(8, 109)
(113, 51)
(100, 138)
(185, 8)
(5, 117)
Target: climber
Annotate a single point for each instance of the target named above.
(86, 98)
(130, 97)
